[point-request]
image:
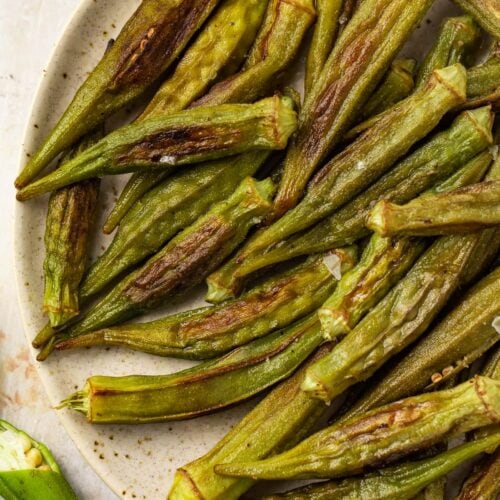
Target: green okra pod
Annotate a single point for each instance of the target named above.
(457, 39)
(28, 470)
(463, 210)
(396, 321)
(211, 331)
(216, 53)
(357, 63)
(485, 12)
(284, 417)
(397, 85)
(383, 434)
(483, 82)
(205, 388)
(277, 44)
(184, 262)
(354, 169)
(454, 343)
(147, 45)
(70, 215)
(166, 142)
(403, 481)
(437, 489)
(383, 263)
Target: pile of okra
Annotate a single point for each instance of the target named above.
(349, 238)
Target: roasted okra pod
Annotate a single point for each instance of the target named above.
(166, 142)
(382, 434)
(354, 169)
(28, 470)
(147, 45)
(485, 12)
(211, 331)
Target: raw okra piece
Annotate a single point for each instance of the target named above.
(354, 169)
(356, 65)
(383, 263)
(404, 481)
(457, 39)
(167, 142)
(284, 417)
(147, 45)
(211, 331)
(216, 53)
(276, 46)
(438, 158)
(485, 12)
(396, 321)
(184, 262)
(463, 336)
(386, 433)
(28, 470)
(70, 216)
(203, 389)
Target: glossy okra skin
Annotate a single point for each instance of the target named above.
(456, 40)
(402, 481)
(211, 331)
(387, 432)
(397, 85)
(277, 44)
(463, 210)
(70, 215)
(284, 417)
(396, 321)
(216, 53)
(354, 169)
(167, 142)
(184, 262)
(361, 56)
(464, 335)
(383, 263)
(485, 12)
(205, 388)
(146, 46)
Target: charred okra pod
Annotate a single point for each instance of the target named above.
(205, 388)
(464, 335)
(397, 85)
(277, 44)
(383, 434)
(396, 321)
(284, 417)
(463, 210)
(216, 53)
(165, 142)
(457, 39)
(70, 215)
(211, 331)
(403, 482)
(354, 169)
(185, 261)
(382, 265)
(485, 12)
(361, 56)
(147, 45)
(28, 469)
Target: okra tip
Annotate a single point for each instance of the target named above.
(454, 78)
(78, 401)
(377, 218)
(314, 387)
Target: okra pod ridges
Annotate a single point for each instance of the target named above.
(354, 169)
(205, 388)
(167, 142)
(402, 481)
(149, 42)
(383, 434)
(382, 265)
(485, 12)
(208, 332)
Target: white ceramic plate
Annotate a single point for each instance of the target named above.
(140, 461)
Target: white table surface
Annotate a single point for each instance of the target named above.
(29, 30)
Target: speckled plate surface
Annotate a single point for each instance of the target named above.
(136, 462)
